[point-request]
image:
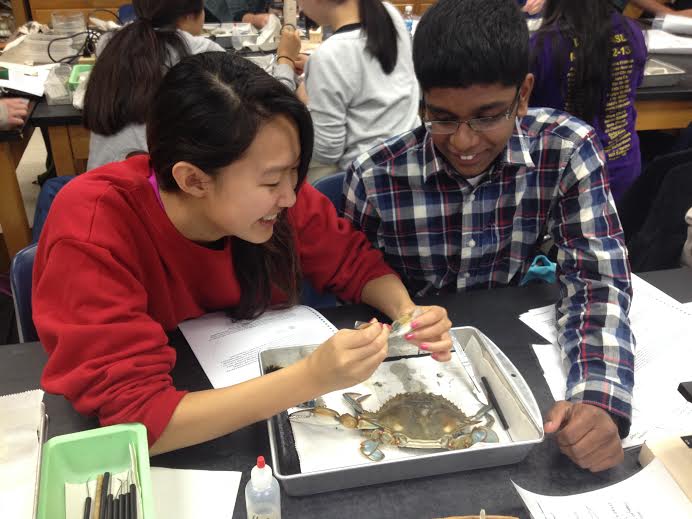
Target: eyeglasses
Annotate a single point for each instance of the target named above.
(480, 124)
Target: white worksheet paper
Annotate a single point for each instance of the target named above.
(192, 494)
(21, 415)
(663, 359)
(651, 493)
(228, 350)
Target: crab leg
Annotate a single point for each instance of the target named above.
(323, 416)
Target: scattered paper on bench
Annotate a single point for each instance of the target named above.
(661, 42)
(228, 350)
(663, 356)
(651, 493)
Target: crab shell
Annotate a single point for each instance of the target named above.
(424, 419)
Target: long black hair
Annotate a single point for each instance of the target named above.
(380, 32)
(587, 28)
(132, 64)
(207, 112)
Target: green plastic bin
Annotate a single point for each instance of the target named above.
(77, 71)
(78, 457)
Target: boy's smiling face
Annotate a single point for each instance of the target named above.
(472, 152)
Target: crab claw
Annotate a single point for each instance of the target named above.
(354, 400)
(370, 449)
(323, 416)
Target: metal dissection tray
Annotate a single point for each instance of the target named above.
(474, 354)
(658, 73)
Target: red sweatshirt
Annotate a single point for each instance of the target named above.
(112, 275)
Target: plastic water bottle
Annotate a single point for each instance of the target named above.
(262, 494)
(408, 18)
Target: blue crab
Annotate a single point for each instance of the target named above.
(411, 420)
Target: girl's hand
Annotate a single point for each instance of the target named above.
(533, 6)
(289, 44)
(430, 332)
(301, 62)
(349, 357)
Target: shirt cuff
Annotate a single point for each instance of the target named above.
(285, 73)
(610, 396)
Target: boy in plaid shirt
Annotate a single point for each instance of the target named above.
(463, 202)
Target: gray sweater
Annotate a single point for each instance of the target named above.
(353, 103)
(104, 149)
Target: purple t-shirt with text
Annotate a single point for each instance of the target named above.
(616, 125)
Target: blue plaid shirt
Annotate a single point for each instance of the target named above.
(440, 232)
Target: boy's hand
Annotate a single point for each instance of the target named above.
(586, 434)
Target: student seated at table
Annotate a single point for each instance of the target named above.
(653, 7)
(588, 60)
(217, 217)
(360, 83)
(131, 63)
(464, 201)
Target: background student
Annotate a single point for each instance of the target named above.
(653, 7)
(236, 10)
(588, 60)
(360, 83)
(218, 217)
(133, 60)
(464, 202)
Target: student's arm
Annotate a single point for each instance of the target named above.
(109, 358)
(654, 7)
(338, 259)
(348, 358)
(286, 57)
(592, 316)
(331, 81)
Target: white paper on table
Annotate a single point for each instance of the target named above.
(663, 358)
(661, 42)
(322, 447)
(677, 24)
(21, 416)
(228, 350)
(30, 80)
(191, 494)
(651, 493)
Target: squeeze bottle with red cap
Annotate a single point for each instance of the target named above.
(262, 494)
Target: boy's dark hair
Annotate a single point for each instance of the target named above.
(207, 112)
(132, 64)
(460, 43)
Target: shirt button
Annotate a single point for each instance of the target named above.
(467, 275)
(472, 243)
(472, 197)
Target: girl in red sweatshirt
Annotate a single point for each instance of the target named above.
(217, 217)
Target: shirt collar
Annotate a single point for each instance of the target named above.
(516, 153)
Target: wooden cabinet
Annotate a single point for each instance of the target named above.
(419, 7)
(41, 10)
